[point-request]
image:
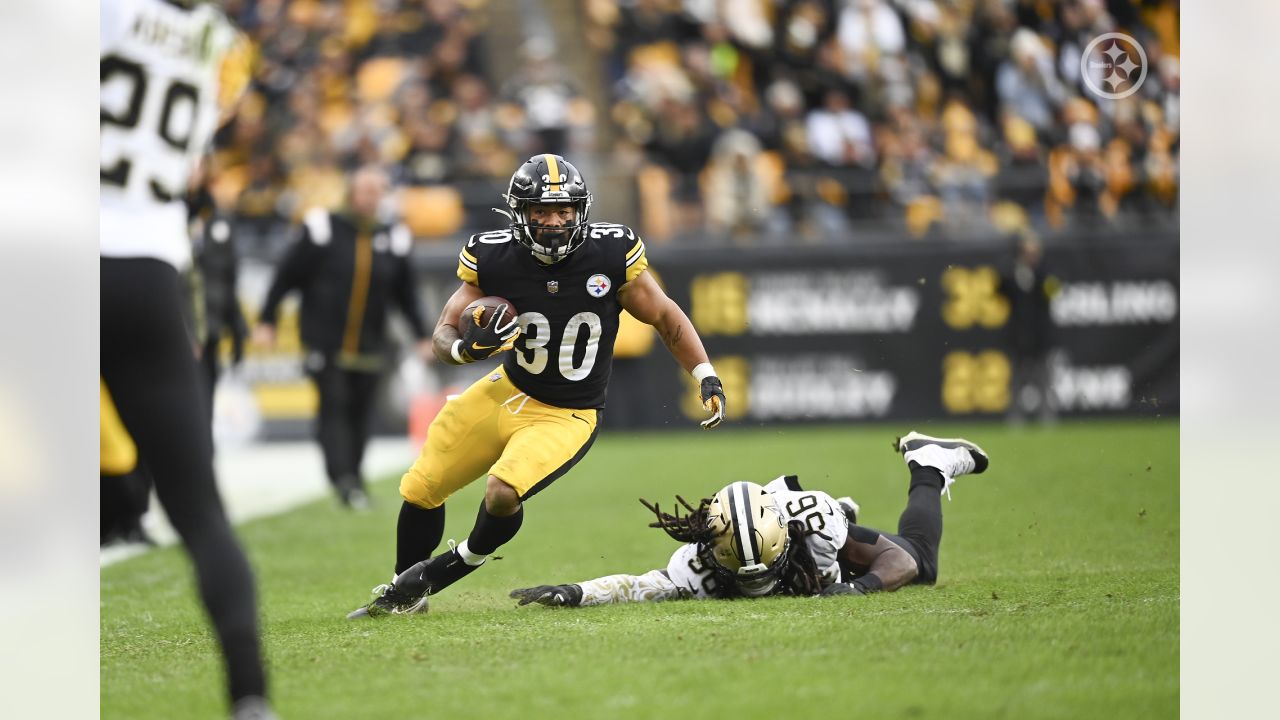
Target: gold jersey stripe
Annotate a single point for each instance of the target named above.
(467, 275)
(637, 266)
(359, 293)
(553, 172)
(468, 256)
(638, 247)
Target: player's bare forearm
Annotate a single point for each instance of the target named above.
(646, 302)
(446, 332)
(678, 334)
(442, 343)
(882, 557)
(895, 568)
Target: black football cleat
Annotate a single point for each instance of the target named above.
(391, 601)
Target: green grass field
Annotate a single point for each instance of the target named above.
(1057, 597)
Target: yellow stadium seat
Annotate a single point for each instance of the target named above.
(432, 212)
(922, 213)
(655, 203)
(378, 78)
(772, 168)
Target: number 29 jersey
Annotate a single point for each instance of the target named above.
(162, 71)
(568, 311)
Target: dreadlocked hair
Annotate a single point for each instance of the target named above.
(692, 527)
(800, 576)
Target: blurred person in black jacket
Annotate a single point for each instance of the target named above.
(217, 264)
(350, 268)
(1029, 290)
(218, 261)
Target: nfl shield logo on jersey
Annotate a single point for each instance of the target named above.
(598, 285)
(553, 286)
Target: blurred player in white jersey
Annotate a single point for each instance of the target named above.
(779, 539)
(162, 77)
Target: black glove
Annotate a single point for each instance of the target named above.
(550, 595)
(841, 588)
(481, 342)
(712, 394)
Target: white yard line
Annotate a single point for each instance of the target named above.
(257, 480)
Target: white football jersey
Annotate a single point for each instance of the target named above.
(160, 69)
(814, 509)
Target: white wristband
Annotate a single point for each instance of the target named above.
(453, 350)
(702, 371)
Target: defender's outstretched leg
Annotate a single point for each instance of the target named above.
(935, 463)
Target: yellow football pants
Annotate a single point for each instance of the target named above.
(494, 427)
(117, 455)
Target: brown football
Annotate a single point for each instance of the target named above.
(490, 304)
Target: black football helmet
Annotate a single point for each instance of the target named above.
(547, 179)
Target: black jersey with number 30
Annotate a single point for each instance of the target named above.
(568, 311)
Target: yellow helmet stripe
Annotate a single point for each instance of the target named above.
(553, 172)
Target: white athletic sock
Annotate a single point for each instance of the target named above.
(469, 557)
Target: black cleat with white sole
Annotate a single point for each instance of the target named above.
(915, 441)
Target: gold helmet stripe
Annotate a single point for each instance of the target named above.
(553, 172)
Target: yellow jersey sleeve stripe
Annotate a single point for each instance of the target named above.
(637, 265)
(633, 258)
(465, 259)
(468, 256)
(638, 247)
(467, 275)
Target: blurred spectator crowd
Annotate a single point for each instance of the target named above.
(747, 120)
(337, 84)
(810, 119)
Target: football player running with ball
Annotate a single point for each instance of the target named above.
(533, 418)
(779, 539)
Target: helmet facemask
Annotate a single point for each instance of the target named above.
(549, 244)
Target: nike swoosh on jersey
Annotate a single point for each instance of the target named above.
(482, 347)
(576, 415)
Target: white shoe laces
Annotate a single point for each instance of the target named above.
(511, 399)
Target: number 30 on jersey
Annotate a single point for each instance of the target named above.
(536, 334)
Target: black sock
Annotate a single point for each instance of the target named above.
(921, 521)
(418, 532)
(492, 531)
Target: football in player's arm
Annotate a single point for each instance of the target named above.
(533, 417)
(779, 539)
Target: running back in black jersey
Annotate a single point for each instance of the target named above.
(568, 310)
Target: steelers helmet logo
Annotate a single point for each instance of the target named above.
(1113, 66)
(598, 285)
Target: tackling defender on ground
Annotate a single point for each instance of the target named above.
(779, 539)
(529, 421)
